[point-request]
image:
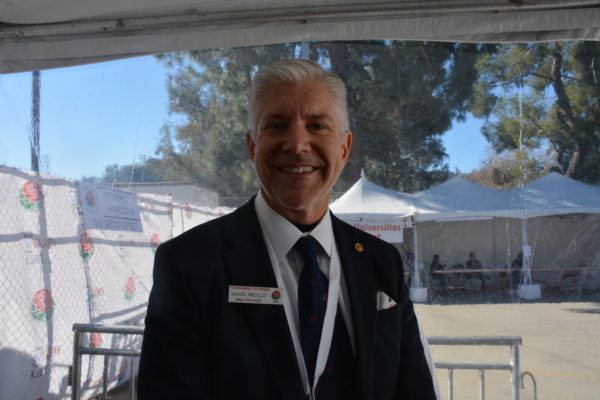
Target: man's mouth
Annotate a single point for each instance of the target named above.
(297, 170)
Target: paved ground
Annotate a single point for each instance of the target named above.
(561, 345)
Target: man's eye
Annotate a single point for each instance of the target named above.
(317, 127)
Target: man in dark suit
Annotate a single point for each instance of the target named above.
(280, 299)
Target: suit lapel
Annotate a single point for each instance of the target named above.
(248, 264)
(358, 272)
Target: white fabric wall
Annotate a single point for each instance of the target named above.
(47, 283)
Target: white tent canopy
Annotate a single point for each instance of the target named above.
(37, 34)
(366, 200)
(460, 199)
(555, 194)
(459, 216)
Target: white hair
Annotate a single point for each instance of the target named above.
(296, 71)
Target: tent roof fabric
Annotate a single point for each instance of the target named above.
(37, 34)
(556, 194)
(460, 199)
(368, 200)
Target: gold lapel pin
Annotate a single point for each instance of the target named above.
(358, 247)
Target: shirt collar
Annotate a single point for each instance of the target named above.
(282, 234)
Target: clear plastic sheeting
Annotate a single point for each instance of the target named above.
(565, 252)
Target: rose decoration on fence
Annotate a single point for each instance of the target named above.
(129, 288)
(86, 246)
(30, 195)
(42, 305)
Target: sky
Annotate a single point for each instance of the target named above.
(111, 113)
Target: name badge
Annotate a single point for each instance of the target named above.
(255, 295)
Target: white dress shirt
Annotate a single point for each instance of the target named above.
(280, 236)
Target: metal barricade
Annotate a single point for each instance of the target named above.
(79, 350)
(514, 342)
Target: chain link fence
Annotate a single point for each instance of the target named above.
(54, 272)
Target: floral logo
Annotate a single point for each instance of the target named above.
(86, 246)
(90, 199)
(154, 242)
(188, 210)
(276, 295)
(130, 288)
(42, 305)
(30, 195)
(95, 339)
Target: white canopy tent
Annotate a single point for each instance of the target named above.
(557, 216)
(366, 200)
(37, 34)
(460, 199)
(555, 194)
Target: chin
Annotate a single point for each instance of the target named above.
(294, 204)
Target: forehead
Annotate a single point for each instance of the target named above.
(311, 98)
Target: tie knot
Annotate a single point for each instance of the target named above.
(307, 246)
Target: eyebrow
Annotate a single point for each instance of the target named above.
(311, 116)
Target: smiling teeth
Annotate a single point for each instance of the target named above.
(297, 170)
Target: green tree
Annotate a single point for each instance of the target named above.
(510, 169)
(538, 93)
(147, 170)
(208, 96)
(402, 97)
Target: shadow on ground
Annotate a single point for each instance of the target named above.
(458, 297)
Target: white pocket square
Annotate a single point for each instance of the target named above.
(384, 302)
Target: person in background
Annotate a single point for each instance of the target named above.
(436, 264)
(473, 262)
(517, 267)
(474, 281)
(438, 281)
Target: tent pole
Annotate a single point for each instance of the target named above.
(416, 278)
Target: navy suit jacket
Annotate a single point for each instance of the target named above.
(197, 345)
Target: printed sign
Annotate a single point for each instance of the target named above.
(390, 231)
(109, 209)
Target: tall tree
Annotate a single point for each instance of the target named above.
(402, 97)
(207, 97)
(538, 93)
(510, 169)
(147, 170)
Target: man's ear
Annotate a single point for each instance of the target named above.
(250, 145)
(346, 146)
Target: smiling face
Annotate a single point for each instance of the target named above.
(298, 153)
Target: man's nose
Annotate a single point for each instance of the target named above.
(297, 138)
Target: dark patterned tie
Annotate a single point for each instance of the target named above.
(338, 381)
(312, 302)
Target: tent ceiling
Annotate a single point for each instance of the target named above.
(37, 34)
